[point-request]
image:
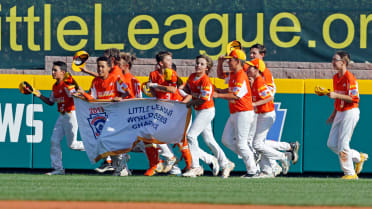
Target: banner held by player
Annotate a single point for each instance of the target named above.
(108, 128)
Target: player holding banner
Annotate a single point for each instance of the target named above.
(345, 117)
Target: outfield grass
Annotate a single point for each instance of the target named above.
(278, 191)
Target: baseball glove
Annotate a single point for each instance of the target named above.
(145, 89)
(25, 88)
(321, 91)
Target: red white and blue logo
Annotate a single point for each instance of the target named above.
(97, 122)
(275, 132)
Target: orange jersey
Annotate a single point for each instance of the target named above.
(239, 86)
(156, 77)
(269, 80)
(62, 95)
(116, 70)
(260, 91)
(179, 95)
(134, 86)
(109, 88)
(201, 88)
(346, 85)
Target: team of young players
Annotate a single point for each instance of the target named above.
(250, 93)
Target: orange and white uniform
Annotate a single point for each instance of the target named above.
(66, 125)
(346, 118)
(265, 120)
(202, 88)
(134, 85)
(109, 88)
(156, 77)
(236, 131)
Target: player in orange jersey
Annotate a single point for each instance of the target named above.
(125, 64)
(108, 86)
(235, 134)
(201, 88)
(345, 117)
(163, 76)
(262, 98)
(259, 51)
(66, 125)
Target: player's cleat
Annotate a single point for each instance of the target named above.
(104, 167)
(170, 163)
(194, 172)
(251, 175)
(359, 166)
(121, 166)
(215, 166)
(294, 150)
(227, 169)
(277, 170)
(266, 175)
(56, 172)
(285, 163)
(154, 170)
(350, 177)
(175, 171)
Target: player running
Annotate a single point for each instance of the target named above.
(201, 88)
(66, 124)
(344, 117)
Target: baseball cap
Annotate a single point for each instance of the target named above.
(233, 45)
(257, 63)
(79, 60)
(236, 53)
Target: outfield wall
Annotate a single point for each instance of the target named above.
(26, 125)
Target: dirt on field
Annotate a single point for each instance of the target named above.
(138, 205)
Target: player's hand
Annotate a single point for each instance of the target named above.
(83, 69)
(221, 59)
(216, 94)
(332, 95)
(151, 85)
(117, 99)
(36, 92)
(330, 119)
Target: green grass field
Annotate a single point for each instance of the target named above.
(235, 190)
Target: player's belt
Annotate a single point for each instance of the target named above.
(68, 112)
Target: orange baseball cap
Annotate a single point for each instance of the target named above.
(257, 63)
(237, 54)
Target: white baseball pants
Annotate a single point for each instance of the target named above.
(66, 126)
(202, 124)
(235, 137)
(264, 123)
(340, 136)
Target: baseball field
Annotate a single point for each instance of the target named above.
(20, 190)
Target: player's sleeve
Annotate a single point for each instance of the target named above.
(269, 80)
(123, 87)
(137, 88)
(353, 90)
(182, 93)
(92, 93)
(240, 87)
(263, 91)
(206, 90)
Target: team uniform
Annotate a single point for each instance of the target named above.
(236, 131)
(134, 85)
(202, 88)
(66, 125)
(165, 151)
(346, 118)
(265, 119)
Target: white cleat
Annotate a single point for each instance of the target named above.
(215, 166)
(193, 172)
(56, 172)
(227, 170)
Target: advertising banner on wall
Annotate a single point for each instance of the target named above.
(290, 30)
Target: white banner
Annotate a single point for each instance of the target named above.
(114, 127)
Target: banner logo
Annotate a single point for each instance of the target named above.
(97, 122)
